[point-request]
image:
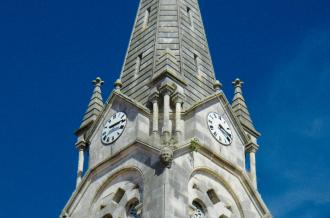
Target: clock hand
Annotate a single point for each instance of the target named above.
(113, 129)
(224, 131)
(115, 124)
(226, 135)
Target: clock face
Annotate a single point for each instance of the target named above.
(219, 128)
(113, 128)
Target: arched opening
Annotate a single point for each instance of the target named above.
(213, 196)
(133, 210)
(206, 190)
(199, 210)
(107, 216)
(121, 193)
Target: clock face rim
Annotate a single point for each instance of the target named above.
(109, 120)
(207, 121)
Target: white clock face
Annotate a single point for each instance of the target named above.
(113, 128)
(219, 128)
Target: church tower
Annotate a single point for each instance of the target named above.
(167, 143)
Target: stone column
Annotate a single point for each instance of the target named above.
(80, 165)
(81, 146)
(252, 148)
(155, 113)
(166, 90)
(253, 170)
(178, 99)
(166, 129)
(153, 98)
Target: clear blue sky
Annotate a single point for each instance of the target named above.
(51, 50)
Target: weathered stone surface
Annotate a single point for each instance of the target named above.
(167, 163)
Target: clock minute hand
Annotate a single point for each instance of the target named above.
(224, 131)
(115, 124)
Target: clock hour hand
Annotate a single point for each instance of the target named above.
(113, 130)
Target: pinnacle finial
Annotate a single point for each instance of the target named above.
(98, 81)
(217, 85)
(238, 83)
(118, 84)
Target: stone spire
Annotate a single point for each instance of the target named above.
(95, 105)
(240, 108)
(168, 42)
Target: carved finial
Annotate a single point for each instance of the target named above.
(118, 85)
(217, 85)
(98, 82)
(238, 83)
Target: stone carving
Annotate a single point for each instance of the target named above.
(166, 156)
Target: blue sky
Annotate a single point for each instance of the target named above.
(51, 50)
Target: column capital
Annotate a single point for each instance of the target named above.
(81, 144)
(251, 147)
(178, 97)
(154, 96)
(166, 88)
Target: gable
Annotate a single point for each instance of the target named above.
(137, 126)
(196, 127)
